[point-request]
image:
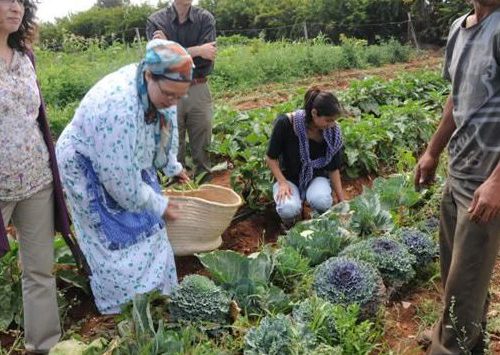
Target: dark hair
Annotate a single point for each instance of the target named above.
(325, 103)
(25, 36)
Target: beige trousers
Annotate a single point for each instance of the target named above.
(34, 222)
(194, 116)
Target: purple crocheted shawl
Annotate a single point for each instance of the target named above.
(333, 139)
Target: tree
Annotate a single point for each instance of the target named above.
(111, 3)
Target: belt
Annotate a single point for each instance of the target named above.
(197, 81)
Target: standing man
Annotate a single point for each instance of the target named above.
(194, 29)
(470, 219)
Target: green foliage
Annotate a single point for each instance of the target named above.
(391, 258)
(317, 316)
(355, 337)
(144, 334)
(290, 268)
(434, 17)
(247, 279)
(277, 336)
(418, 243)
(197, 299)
(366, 215)
(110, 22)
(317, 239)
(347, 281)
(76, 347)
(10, 289)
(261, 62)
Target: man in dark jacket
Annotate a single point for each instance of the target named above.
(194, 29)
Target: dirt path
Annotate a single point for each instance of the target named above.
(272, 94)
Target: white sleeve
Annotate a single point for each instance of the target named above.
(115, 159)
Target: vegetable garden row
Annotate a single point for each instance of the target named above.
(323, 287)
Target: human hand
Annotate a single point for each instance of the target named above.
(284, 191)
(425, 171)
(158, 34)
(171, 213)
(183, 177)
(485, 204)
(208, 51)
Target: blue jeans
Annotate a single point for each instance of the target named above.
(318, 196)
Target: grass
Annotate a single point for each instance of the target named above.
(66, 76)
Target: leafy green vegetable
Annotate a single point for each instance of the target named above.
(197, 298)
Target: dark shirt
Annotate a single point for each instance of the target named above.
(198, 29)
(284, 145)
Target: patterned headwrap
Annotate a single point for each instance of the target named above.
(333, 139)
(170, 60)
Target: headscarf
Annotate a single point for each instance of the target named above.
(163, 58)
(333, 139)
(171, 61)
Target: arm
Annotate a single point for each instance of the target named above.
(206, 48)
(151, 28)
(427, 165)
(274, 151)
(485, 204)
(115, 160)
(284, 190)
(337, 185)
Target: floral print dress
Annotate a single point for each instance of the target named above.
(106, 159)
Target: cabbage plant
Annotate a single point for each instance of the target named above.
(348, 281)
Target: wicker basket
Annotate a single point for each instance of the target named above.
(204, 214)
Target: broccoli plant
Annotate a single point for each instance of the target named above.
(391, 258)
(197, 298)
(418, 243)
(348, 281)
(278, 336)
(317, 239)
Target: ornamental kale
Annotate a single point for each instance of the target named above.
(346, 281)
(277, 336)
(418, 243)
(317, 239)
(197, 298)
(430, 225)
(391, 258)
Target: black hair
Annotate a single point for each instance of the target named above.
(24, 37)
(325, 103)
